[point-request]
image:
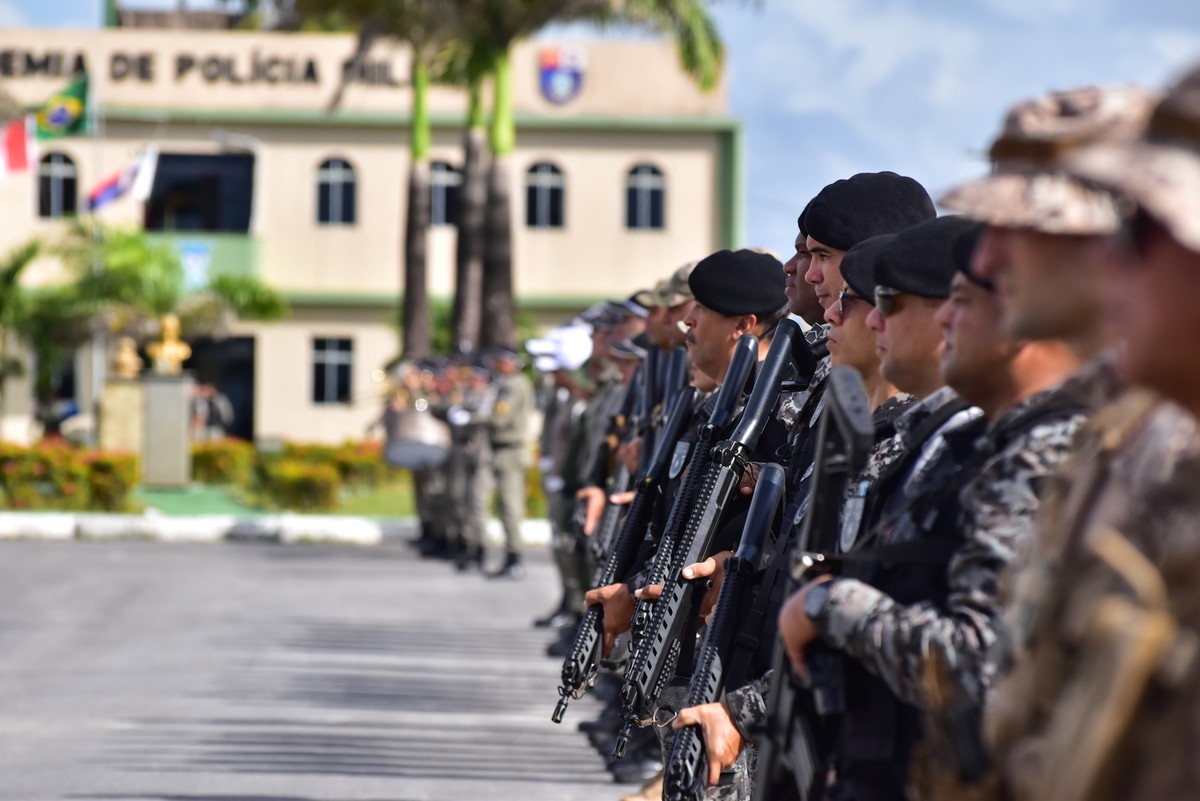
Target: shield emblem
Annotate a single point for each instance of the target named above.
(679, 458)
(562, 73)
(851, 521)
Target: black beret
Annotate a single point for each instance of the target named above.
(865, 205)
(739, 282)
(920, 260)
(963, 249)
(800, 220)
(858, 265)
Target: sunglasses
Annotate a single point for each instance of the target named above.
(885, 299)
(844, 298)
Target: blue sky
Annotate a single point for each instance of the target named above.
(827, 88)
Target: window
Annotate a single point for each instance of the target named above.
(544, 187)
(335, 193)
(645, 190)
(332, 359)
(446, 182)
(58, 186)
(202, 192)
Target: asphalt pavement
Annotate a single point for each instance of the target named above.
(260, 672)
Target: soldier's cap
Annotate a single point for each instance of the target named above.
(800, 225)
(920, 260)
(858, 265)
(626, 307)
(739, 282)
(675, 289)
(503, 352)
(1028, 186)
(865, 205)
(1161, 170)
(626, 349)
(650, 298)
(963, 250)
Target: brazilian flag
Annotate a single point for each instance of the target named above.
(65, 114)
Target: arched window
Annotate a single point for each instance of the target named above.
(336, 193)
(58, 186)
(645, 198)
(544, 189)
(445, 182)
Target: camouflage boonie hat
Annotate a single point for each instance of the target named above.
(1028, 187)
(675, 290)
(650, 298)
(1160, 171)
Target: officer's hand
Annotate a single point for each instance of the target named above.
(796, 628)
(621, 498)
(651, 592)
(712, 568)
(618, 611)
(594, 498)
(722, 740)
(749, 478)
(630, 453)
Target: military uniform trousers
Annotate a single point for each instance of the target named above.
(510, 462)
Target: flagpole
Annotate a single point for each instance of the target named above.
(99, 338)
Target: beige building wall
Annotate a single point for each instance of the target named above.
(283, 391)
(182, 89)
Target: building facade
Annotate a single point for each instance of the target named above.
(623, 170)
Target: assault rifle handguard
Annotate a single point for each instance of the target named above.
(654, 657)
(687, 767)
(580, 665)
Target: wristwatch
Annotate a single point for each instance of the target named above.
(816, 601)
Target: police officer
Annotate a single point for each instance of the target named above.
(879, 611)
(511, 405)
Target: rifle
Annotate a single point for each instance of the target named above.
(636, 410)
(687, 767)
(654, 658)
(581, 663)
(724, 409)
(791, 752)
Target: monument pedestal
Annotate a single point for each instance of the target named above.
(123, 416)
(167, 451)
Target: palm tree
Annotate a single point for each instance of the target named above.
(496, 25)
(424, 25)
(14, 310)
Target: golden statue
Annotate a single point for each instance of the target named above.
(127, 364)
(170, 354)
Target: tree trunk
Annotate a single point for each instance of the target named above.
(416, 228)
(472, 204)
(498, 319)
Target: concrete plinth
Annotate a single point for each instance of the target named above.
(167, 453)
(123, 416)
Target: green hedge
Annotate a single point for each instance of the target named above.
(58, 476)
(227, 461)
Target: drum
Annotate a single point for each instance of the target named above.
(416, 440)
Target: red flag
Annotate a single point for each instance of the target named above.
(14, 152)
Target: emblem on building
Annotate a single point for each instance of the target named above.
(562, 71)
